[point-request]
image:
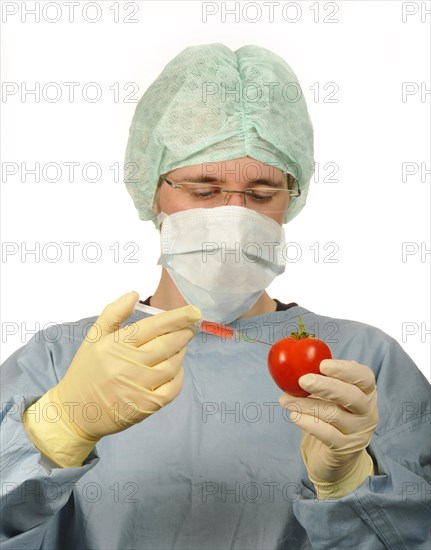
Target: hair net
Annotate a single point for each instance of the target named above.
(211, 104)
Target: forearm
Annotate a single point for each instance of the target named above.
(27, 501)
(362, 469)
(388, 510)
(55, 436)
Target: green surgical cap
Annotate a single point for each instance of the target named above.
(212, 104)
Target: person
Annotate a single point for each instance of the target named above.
(133, 430)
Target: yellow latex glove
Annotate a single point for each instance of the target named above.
(118, 377)
(337, 420)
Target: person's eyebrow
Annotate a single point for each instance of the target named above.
(211, 179)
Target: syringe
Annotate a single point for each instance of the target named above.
(215, 329)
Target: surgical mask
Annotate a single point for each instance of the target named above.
(221, 259)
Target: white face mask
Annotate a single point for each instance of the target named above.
(221, 259)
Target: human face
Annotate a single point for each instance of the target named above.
(237, 174)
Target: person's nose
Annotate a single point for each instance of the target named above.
(234, 199)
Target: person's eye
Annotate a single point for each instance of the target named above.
(261, 195)
(203, 194)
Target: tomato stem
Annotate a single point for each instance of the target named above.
(302, 333)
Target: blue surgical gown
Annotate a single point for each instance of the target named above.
(220, 466)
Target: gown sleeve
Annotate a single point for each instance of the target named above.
(33, 489)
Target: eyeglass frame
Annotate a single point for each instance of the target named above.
(247, 192)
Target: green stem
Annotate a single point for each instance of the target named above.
(302, 333)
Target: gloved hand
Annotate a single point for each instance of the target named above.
(337, 420)
(118, 377)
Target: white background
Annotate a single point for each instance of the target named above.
(369, 212)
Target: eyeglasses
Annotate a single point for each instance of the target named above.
(262, 198)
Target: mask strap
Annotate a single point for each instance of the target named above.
(160, 219)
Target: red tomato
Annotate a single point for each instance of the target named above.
(298, 354)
